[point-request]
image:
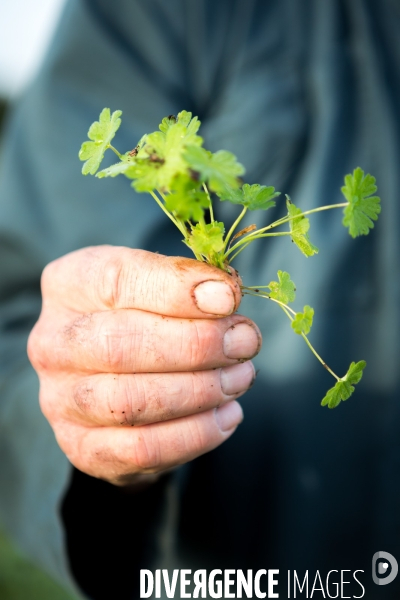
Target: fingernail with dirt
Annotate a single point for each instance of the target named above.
(229, 415)
(241, 341)
(237, 378)
(214, 298)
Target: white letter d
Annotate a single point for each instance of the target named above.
(145, 573)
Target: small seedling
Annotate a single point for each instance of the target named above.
(183, 178)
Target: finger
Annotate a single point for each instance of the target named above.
(109, 277)
(142, 399)
(119, 454)
(129, 341)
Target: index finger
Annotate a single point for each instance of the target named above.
(111, 277)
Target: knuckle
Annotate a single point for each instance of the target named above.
(76, 331)
(130, 398)
(121, 342)
(147, 451)
(197, 437)
(201, 390)
(32, 345)
(152, 287)
(48, 276)
(110, 351)
(107, 457)
(202, 344)
(125, 400)
(111, 281)
(36, 347)
(84, 396)
(50, 405)
(163, 393)
(46, 406)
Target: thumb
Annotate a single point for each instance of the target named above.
(111, 278)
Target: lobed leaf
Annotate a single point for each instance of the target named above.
(284, 290)
(299, 226)
(253, 197)
(192, 124)
(363, 207)
(161, 159)
(186, 201)
(221, 170)
(166, 123)
(207, 239)
(344, 388)
(100, 133)
(302, 322)
(120, 168)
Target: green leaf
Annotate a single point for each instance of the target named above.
(160, 160)
(207, 239)
(192, 124)
(186, 200)
(299, 226)
(127, 161)
(285, 290)
(101, 133)
(120, 168)
(138, 152)
(254, 197)
(363, 208)
(302, 322)
(344, 388)
(166, 123)
(145, 175)
(221, 170)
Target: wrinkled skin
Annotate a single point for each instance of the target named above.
(141, 358)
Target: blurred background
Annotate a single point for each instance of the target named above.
(26, 28)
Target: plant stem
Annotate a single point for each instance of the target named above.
(268, 297)
(303, 214)
(205, 188)
(323, 363)
(171, 217)
(259, 233)
(245, 241)
(179, 223)
(162, 195)
(232, 229)
(115, 151)
(239, 251)
(255, 287)
(287, 310)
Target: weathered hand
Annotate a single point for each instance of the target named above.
(140, 359)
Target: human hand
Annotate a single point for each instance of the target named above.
(140, 359)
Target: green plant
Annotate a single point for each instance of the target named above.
(181, 176)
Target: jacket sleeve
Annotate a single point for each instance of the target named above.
(48, 209)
